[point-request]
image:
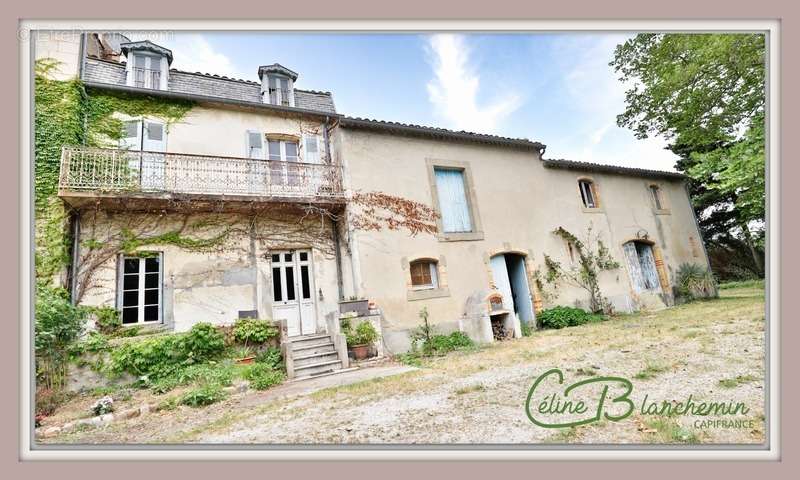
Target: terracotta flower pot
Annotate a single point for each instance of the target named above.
(360, 351)
(246, 360)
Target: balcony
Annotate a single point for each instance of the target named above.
(121, 176)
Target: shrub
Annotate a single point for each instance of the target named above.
(58, 326)
(694, 282)
(272, 357)
(560, 317)
(159, 357)
(106, 320)
(364, 334)
(441, 344)
(251, 331)
(262, 376)
(202, 342)
(204, 395)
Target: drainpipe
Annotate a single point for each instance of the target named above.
(76, 233)
(334, 223)
(81, 56)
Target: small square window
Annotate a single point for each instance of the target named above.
(276, 257)
(303, 256)
(424, 274)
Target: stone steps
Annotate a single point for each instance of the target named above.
(314, 355)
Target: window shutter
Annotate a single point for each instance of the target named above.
(255, 145)
(634, 266)
(131, 135)
(453, 201)
(311, 145)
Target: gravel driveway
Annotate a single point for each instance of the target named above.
(713, 350)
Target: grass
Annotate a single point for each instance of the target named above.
(668, 430)
(650, 371)
(742, 284)
(736, 381)
(478, 387)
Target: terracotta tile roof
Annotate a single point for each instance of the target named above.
(596, 167)
(436, 132)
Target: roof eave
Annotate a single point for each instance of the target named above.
(613, 169)
(209, 99)
(439, 133)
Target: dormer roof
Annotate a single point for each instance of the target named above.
(276, 68)
(148, 46)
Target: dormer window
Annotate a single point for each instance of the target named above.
(147, 65)
(277, 85)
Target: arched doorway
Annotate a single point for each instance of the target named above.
(510, 277)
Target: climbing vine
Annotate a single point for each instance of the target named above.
(593, 258)
(66, 114)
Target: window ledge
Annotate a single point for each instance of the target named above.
(594, 210)
(428, 293)
(459, 237)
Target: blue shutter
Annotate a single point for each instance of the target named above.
(453, 201)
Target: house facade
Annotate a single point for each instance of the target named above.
(236, 201)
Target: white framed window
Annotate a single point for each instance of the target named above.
(255, 145)
(147, 71)
(279, 91)
(453, 203)
(424, 274)
(139, 293)
(283, 150)
(588, 193)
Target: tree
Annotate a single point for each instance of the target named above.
(705, 94)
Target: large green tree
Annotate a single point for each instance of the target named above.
(705, 94)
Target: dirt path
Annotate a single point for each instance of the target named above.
(478, 397)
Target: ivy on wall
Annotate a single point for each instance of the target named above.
(66, 114)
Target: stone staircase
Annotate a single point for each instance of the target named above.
(314, 355)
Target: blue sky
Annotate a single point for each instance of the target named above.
(554, 88)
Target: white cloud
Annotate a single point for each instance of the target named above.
(455, 89)
(591, 86)
(192, 52)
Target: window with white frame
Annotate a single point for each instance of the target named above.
(147, 71)
(424, 274)
(279, 91)
(453, 204)
(283, 150)
(139, 291)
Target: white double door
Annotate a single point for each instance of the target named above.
(149, 137)
(293, 291)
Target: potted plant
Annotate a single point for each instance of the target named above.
(360, 339)
(244, 355)
(355, 304)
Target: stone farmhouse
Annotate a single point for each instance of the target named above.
(236, 199)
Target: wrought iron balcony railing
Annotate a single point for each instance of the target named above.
(101, 170)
